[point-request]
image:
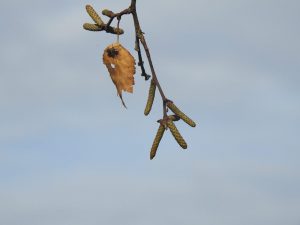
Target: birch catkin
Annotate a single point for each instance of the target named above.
(182, 116)
(174, 117)
(176, 134)
(94, 15)
(107, 13)
(157, 139)
(151, 96)
(92, 27)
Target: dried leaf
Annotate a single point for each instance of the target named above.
(121, 67)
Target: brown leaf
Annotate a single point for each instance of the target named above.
(121, 67)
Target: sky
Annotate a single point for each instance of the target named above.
(70, 154)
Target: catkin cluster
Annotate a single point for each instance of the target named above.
(167, 122)
(99, 25)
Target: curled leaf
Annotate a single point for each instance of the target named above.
(121, 67)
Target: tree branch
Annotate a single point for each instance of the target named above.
(167, 121)
(142, 40)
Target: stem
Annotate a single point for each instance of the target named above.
(140, 38)
(141, 62)
(118, 15)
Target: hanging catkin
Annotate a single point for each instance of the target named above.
(174, 117)
(182, 116)
(151, 96)
(176, 134)
(157, 139)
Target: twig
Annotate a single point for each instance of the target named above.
(142, 40)
(119, 15)
(141, 62)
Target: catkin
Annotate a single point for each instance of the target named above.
(107, 13)
(174, 117)
(92, 27)
(114, 30)
(157, 139)
(151, 96)
(94, 15)
(176, 134)
(184, 117)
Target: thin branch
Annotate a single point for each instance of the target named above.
(141, 62)
(118, 15)
(142, 40)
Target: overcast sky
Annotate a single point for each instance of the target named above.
(70, 154)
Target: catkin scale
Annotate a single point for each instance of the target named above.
(157, 139)
(151, 96)
(182, 116)
(176, 134)
(94, 15)
(174, 117)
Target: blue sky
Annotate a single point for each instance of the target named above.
(71, 154)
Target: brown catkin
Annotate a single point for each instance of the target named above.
(182, 116)
(91, 27)
(94, 15)
(176, 134)
(151, 96)
(157, 139)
